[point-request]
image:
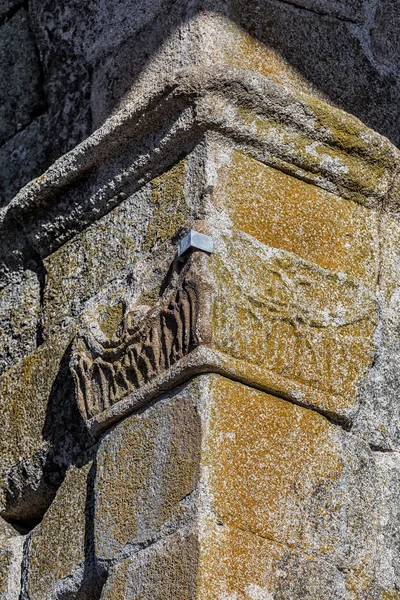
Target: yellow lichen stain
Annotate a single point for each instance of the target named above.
(292, 319)
(149, 297)
(24, 394)
(5, 560)
(359, 161)
(285, 212)
(275, 469)
(231, 560)
(389, 595)
(278, 493)
(121, 492)
(111, 318)
(170, 208)
(359, 579)
(116, 586)
(352, 136)
(127, 462)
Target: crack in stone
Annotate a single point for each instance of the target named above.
(320, 13)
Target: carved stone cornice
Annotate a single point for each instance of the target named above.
(293, 132)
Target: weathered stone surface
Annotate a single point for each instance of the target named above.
(285, 304)
(147, 467)
(325, 147)
(25, 155)
(249, 311)
(20, 84)
(41, 430)
(385, 35)
(19, 319)
(378, 420)
(344, 74)
(167, 569)
(238, 564)
(389, 538)
(59, 549)
(264, 479)
(284, 212)
(143, 222)
(11, 549)
(98, 57)
(8, 6)
(295, 501)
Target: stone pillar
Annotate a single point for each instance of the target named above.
(200, 336)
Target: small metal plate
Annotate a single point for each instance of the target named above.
(194, 239)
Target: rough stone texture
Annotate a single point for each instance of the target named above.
(11, 550)
(147, 467)
(98, 56)
(215, 426)
(294, 506)
(59, 550)
(278, 472)
(8, 6)
(284, 212)
(20, 84)
(166, 570)
(20, 328)
(385, 35)
(41, 434)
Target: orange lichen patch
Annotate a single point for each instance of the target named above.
(275, 469)
(232, 560)
(285, 212)
(351, 135)
(238, 565)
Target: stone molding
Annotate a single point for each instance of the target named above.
(293, 132)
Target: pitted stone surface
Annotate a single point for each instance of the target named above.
(20, 80)
(59, 549)
(146, 467)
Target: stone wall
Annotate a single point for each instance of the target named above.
(219, 423)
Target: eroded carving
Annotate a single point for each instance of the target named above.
(152, 340)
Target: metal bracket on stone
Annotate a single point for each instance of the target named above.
(196, 240)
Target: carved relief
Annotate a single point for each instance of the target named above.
(152, 340)
(295, 319)
(252, 313)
